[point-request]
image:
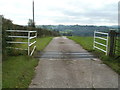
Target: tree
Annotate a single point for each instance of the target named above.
(31, 23)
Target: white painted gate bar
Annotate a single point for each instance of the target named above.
(96, 42)
(27, 37)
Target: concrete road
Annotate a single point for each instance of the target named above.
(65, 64)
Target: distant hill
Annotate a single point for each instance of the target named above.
(113, 26)
(79, 30)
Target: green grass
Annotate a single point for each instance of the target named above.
(40, 45)
(87, 43)
(42, 42)
(18, 71)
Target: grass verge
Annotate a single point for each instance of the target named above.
(87, 43)
(18, 71)
(42, 43)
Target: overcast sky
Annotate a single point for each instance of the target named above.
(68, 12)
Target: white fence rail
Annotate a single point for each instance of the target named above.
(28, 37)
(95, 43)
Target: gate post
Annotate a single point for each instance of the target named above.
(112, 34)
(28, 43)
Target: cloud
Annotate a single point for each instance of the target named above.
(97, 12)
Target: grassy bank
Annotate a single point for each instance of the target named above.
(87, 43)
(18, 71)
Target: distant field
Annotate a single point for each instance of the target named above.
(87, 43)
(18, 71)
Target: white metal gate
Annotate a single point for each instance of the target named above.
(28, 37)
(96, 33)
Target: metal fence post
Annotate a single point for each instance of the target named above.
(28, 43)
(36, 37)
(107, 44)
(94, 40)
(112, 34)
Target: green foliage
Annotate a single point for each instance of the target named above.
(31, 23)
(117, 51)
(15, 52)
(7, 25)
(44, 32)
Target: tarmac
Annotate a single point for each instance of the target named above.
(65, 64)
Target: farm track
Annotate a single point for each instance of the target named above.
(65, 64)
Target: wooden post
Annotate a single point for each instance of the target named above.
(112, 34)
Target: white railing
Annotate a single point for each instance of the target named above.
(102, 38)
(28, 37)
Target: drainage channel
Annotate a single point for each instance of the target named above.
(63, 55)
